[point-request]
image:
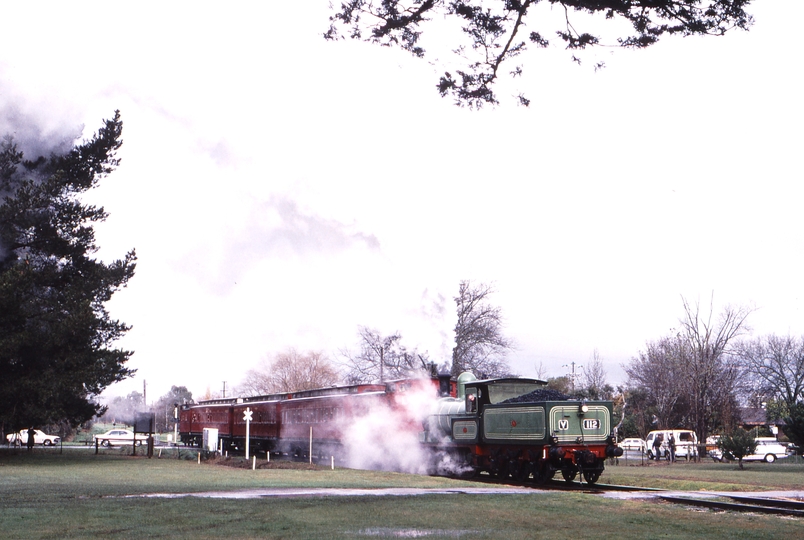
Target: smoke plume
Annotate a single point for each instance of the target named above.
(387, 436)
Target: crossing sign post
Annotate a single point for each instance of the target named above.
(247, 417)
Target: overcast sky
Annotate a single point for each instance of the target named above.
(281, 190)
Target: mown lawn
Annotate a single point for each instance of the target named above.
(79, 495)
(707, 475)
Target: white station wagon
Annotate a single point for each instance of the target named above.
(768, 450)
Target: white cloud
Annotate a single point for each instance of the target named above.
(281, 190)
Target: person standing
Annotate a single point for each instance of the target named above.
(657, 446)
(672, 445)
(31, 440)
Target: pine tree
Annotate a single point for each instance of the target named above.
(56, 337)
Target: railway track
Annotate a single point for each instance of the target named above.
(758, 505)
(558, 485)
(740, 503)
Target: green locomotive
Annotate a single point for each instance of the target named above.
(516, 427)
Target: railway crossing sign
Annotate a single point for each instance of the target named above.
(247, 417)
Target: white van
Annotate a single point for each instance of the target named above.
(685, 440)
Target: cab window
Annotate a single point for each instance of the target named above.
(471, 400)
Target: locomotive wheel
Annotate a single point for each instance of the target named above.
(467, 468)
(538, 477)
(540, 474)
(499, 468)
(530, 468)
(521, 472)
(569, 475)
(591, 476)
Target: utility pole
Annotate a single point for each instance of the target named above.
(144, 400)
(224, 388)
(573, 375)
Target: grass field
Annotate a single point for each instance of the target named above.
(76, 494)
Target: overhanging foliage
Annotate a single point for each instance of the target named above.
(493, 33)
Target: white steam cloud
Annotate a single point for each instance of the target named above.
(387, 437)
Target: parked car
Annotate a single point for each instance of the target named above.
(120, 437)
(632, 444)
(712, 448)
(40, 437)
(768, 450)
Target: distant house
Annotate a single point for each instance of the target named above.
(752, 417)
(757, 417)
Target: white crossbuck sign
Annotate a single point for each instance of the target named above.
(247, 417)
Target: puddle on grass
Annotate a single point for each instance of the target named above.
(331, 492)
(388, 532)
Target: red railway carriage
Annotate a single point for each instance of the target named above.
(264, 424)
(281, 422)
(319, 415)
(213, 414)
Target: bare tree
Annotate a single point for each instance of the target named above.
(382, 358)
(594, 378)
(163, 408)
(776, 365)
(480, 346)
(290, 372)
(655, 371)
(541, 371)
(708, 372)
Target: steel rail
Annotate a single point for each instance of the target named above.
(764, 501)
(735, 507)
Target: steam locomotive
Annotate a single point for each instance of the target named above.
(505, 427)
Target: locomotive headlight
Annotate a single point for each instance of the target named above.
(583, 409)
